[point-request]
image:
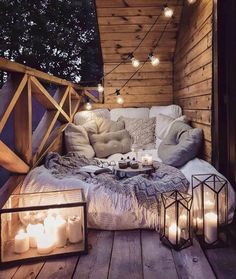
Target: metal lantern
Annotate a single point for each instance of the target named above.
(175, 220)
(43, 225)
(210, 208)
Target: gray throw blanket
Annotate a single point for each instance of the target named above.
(146, 188)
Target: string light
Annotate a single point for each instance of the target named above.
(192, 1)
(168, 12)
(135, 62)
(119, 99)
(154, 60)
(100, 88)
(88, 105)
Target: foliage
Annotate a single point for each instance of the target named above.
(50, 35)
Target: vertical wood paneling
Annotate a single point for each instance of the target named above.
(193, 68)
(122, 25)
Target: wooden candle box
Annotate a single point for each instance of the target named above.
(36, 226)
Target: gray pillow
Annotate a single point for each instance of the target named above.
(110, 143)
(77, 140)
(181, 144)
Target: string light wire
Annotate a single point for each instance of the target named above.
(140, 68)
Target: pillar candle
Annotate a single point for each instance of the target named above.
(147, 160)
(209, 205)
(75, 229)
(34, 230)
(61, 236)
(21, 242)
(199, 223)
(45, 243)
(50, 225)
(183, 221)
(173, 229)
(210, 227)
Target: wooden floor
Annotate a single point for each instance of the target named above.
(132, 254)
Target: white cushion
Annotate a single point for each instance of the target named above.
(83, 116)
(163, 124)
(77, 140)
(129, 112)
(171, 110)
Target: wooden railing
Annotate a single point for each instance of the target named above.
(23, 84)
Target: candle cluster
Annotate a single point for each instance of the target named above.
(52, 233)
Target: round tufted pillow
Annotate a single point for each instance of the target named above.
(110, 143)
(181, 144)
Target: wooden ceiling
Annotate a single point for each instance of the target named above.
(122, 25)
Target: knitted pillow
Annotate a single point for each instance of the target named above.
(142, 131)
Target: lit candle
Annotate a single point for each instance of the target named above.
(199, 223)
(50, 225)
(183, 221)
(209, 205)
(75, 229)
(173, 231)
(21, 243)
(210, 227)
(45, 243)
(147, 160)
(61, 236)
(34, 230)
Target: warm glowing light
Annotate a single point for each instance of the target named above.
(120, 100)
(88, 106)
(135, 62)
(168, 12)
(100, 88)
(154, 60)
(192, 1)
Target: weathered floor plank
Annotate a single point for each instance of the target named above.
(157, 259)
(8, 272)
(223, 261)
(58, 269)
(135, 255)
(95, 265)
(126, 259)
(191, 263)
(28, 271)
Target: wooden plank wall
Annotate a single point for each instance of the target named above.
(122, 24)
(193, 68)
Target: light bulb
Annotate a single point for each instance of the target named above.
(154, 60)
(100, 88)
(135, 62)
(88, 106)
(119, 100)
(168, 12)
(192, 1)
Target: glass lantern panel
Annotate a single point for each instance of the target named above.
(45, 198)
(28, 234)
(172, 231)
(223, 206)
(183, 222)
(197, 210)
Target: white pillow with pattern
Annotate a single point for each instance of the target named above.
(142, 131)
